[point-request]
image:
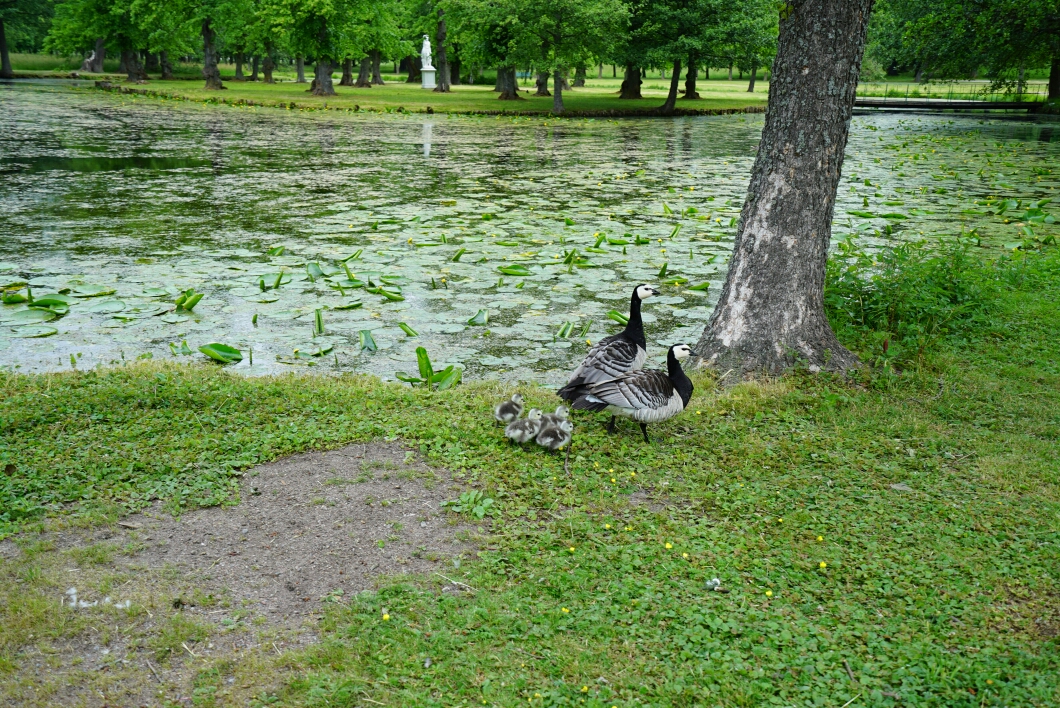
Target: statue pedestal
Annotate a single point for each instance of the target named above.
(428, 78)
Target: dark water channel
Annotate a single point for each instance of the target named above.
(122, 203)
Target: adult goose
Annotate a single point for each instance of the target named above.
(615, 355)
(646, 396)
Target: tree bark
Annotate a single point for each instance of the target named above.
(6, 72)
(166, 66)
(508, 83)
(299, 67)
(579, 77)
(322, 85)
(754, 74)
(1054, 76)
(415, 73)
(668, 108)
(267, 65)
(600, 71)
(134, 70)
(542, 84)
(255, 64)
(347, 72)
(377, 70)
(730, 71)
(770, 315)
(210, 72)
(93, 62)
(690, 78)
(454, 70)
(557, 87)
(442, 82)
(239, 67)
(122, 67)
(150, 62)
(364, 76)
(631, 83)
(498, 84)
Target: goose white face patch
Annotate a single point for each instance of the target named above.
(645, 291)
(682, 351)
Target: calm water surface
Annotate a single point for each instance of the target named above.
(140, 200)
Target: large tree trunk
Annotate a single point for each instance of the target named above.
(6, 72)
(542, 84)
(347, 72)
(377, 70)
(364, 76)
(165, 65)
(498, 85)
(771, 311)
(754, 74)
(557, 87)
(93, 62)
(267, 66)
(667, 108)
(322, 85)
(122, 67)
(690, 78)
(579, 77)
(1054, 76)
(508, 83)
(442, 83)
(415, 73)
(210, 72)
(255, 64)
(631, 83)
(239, 67)
(134, 70)
(299, 67)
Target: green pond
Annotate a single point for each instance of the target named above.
(284, 221)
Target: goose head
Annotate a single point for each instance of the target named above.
(534, 414)
(561, 412)
(517, 398)
(681, 351)
(643, 291)
(566, 426)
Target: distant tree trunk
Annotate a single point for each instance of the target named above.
(498, 84)
(542, 84)
(267, 65)
(1054, 76)
(93, 62)
(730, 70)
(557, 87)
(239, 67)
(1020, 83)
(364, 76)
(166, 66)
(741, 74)
(347, 72)
(600, 71)
(631, 83)
(919, 77)
(614, 71)
(299, 67)
(6, 72)
(210, 72)
(454, 69)
(442, 84)
(771, 311)
(255, 64)
(579, 76)
(150, 62)
(377, 71)
(643, 73)
(122, 67)
(134, 70)
(415, 70)
(690, 78)
(509, 87)
(668, 108)
(322, 85)
(754, 74)
(706, 73)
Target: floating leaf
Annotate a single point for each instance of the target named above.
(351, 305)
(449, 378)
(106, 307)
(34, 331)
(516, 269)
(313, 271)
(618, 317)
(568, 221)
(481, 318)
(367, 342)
(275, 251)
(174, 318)
(862, 214)
(701, 286)
(13, 298)
(617, 241)
(191, 302)
(92, 291)
(59, 308)
(894, 216)
(221, 352)
(54, 298)
(27, 316)
(408, 330)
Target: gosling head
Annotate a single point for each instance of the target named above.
(517, 398)
(566, 426)
(561, 412)
(645, 291)
(681, 351)
(534, 414)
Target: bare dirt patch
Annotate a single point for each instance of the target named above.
(230, 587)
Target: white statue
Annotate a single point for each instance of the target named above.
(425, 53)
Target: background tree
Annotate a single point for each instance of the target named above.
(771, 311)
(23, 27)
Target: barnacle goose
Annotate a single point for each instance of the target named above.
(509, 410)
(614, 355)
(526, 429)
(646, 396)
(553, 437)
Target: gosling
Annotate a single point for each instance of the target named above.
(510, 410)
(526, 429)
(554, 437)
(554, 419)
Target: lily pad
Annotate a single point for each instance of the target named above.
(31, 315)
(34, 331)
(221, 352)
(106, 306)
(481, 318)
(92, 290)
(174, 318)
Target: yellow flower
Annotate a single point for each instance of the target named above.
(684, 555)
(769, 593)
(588, 342)
(613, 480)
(607, 526)
(611, 471)
(669, 545)
(386, 618)
(564, 610)
(596, 464)
(820, 538)
(823, 565)
(585, 689)
(572, 549)
(699, 412)
(780, 520)
(629, 528)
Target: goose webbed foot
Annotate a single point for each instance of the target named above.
(644, 430)
(611, 425)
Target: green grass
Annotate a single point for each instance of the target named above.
(940, 590)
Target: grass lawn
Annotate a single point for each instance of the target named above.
(890, 539)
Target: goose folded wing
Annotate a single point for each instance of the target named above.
(636, 390)
(610, 358)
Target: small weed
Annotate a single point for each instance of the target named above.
(473, 503)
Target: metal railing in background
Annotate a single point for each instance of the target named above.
(963, 91)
